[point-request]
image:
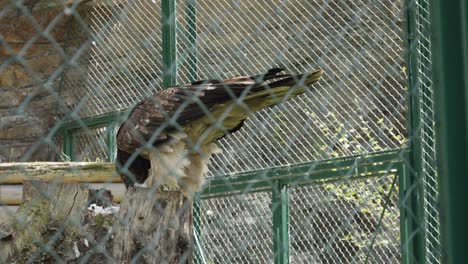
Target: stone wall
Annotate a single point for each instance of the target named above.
(30, 75)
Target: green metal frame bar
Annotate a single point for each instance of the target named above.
(280, 211)
(406, 217)
(169, 42)
(279, 180)
(450, 55)
(413, 193)
(432, 244)
(306, 173)
(111, 141)
(109, 119)
(197, 222)
(68, 144)
(430, 178)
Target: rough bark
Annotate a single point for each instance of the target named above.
(153, 227)
(48, 226)
(55, 225)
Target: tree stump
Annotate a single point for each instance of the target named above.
(46, 227)
(56, 224)
(153, 227)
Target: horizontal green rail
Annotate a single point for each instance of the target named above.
(361, 166)
(110, 120)
(95, 120)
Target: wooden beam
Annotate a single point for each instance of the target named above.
(12, 195)
(83, 172)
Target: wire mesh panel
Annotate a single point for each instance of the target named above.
(235, 229)
(355, 222)
(91, 144)
(125, 55)
(359, 107)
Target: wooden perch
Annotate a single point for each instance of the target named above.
(17, 173)
(13, 194)
(96, 174)
(55, 224)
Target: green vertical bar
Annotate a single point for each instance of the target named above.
(197, 214)
(450, 51)
(191, 24)
(111, 142)
(191, 18)
(412, 204)
(405, 222)
(169, 42)
(280, 208)
(68, 144)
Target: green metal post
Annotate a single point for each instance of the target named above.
(169, 42)
(68, 144)
(191, 24)
(280, 210)
(405, 220)
(198, 250)
(412, 183)
(450, 52)
(111, 141)
(191, 18)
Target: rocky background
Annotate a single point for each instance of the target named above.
(31, 71)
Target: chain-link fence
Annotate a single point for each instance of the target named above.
(327, 177)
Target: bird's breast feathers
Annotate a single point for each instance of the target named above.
(178, 166)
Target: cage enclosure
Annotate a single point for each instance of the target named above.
(345, 173)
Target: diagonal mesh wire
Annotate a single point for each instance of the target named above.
(235, 229)
(427, 133)
(91, 144)
(336, 223)
(359, 108)
(125, 55)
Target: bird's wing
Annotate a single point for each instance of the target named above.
(203, 111)
(194, 108)
(154, 118)
(228, 114)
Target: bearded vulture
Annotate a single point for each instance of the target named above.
(167, 139)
